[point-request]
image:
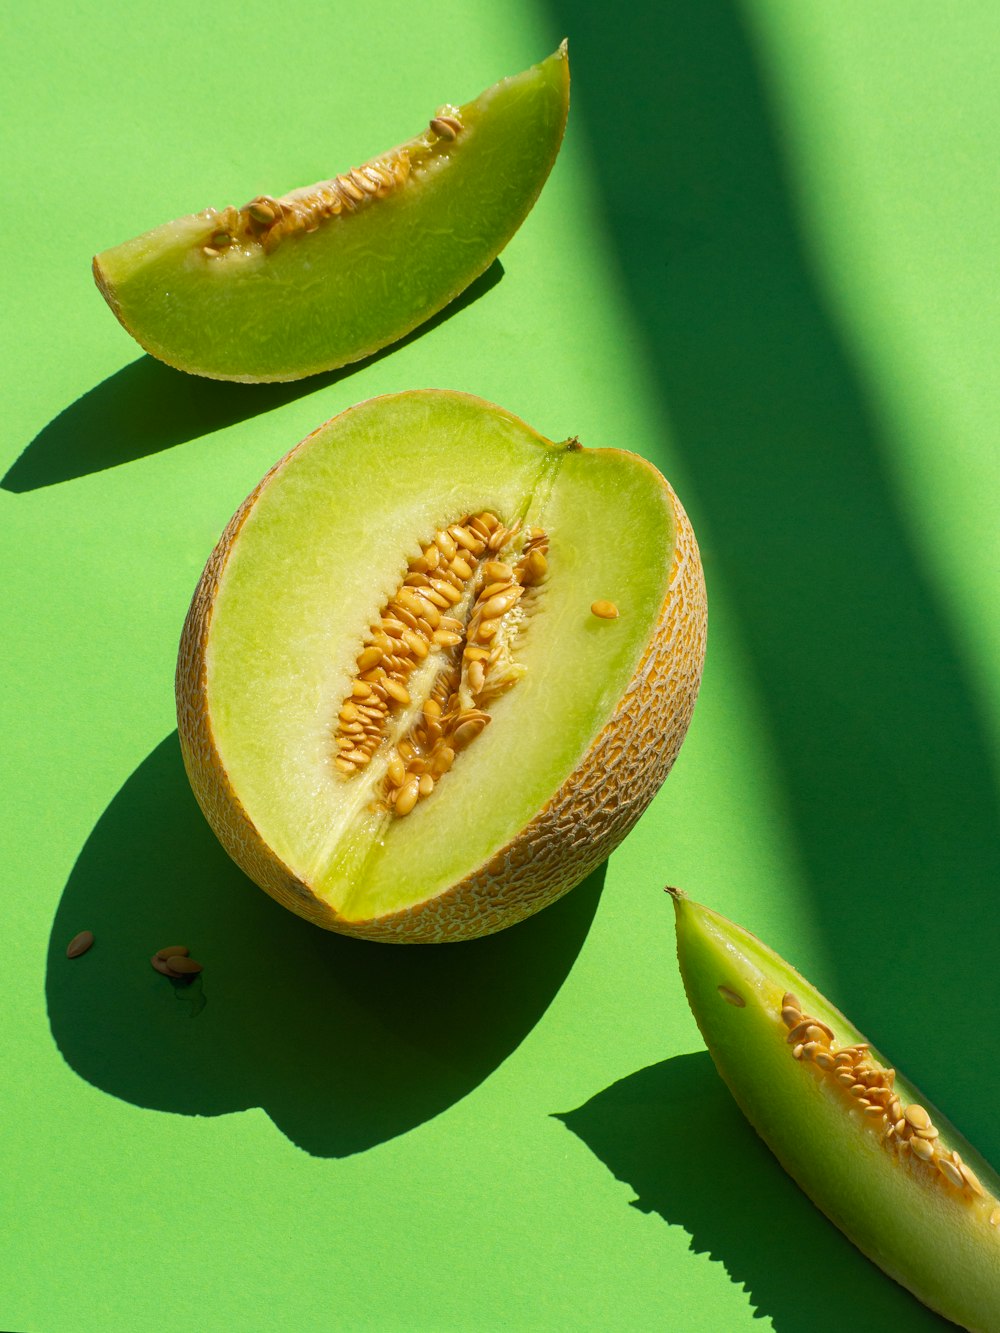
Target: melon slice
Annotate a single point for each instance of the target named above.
(865, 1145)
(290, 286)
(397, 707)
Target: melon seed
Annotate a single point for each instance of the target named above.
(180, 963)
(604, 610)
(79, 944)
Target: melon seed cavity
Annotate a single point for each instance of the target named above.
(265, 221)
(905, 1130)
(462, 603)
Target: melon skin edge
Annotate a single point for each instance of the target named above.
(585, 819)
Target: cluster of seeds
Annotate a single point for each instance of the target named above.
(458, 574)
(905, 1130)
(174, 962)
(267, 220)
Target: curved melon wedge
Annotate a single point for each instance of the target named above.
(883, 1164)
(287, 287)
(320, 660)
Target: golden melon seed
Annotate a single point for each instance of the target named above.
(361, 689)
(604, 609)
(534, 567)
(825, 1060)
(397, 691)
(790, 1017)
(798, 1051)
(876, 1112)
(343, 764)
(445, 543)
(995, 1218)
(497, 572)
(732, 997)
(396, 772)
(443, 760)
(467, 539)
(922, 1149)
(426, 784)
(950, 1172)
(817, 1031)
(846, 1078)
(416, 645)
(917, 1117)
(790, 1001)
(799, 1031)
(406, 798)
(369, 658)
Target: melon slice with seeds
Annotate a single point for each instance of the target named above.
(881, 1162)
(290, 286)
(397, 707)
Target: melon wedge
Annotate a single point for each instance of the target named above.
(290, 286)
(865, 1145)
(288, 678)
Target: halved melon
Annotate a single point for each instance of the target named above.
(286, 287)
(397, 707)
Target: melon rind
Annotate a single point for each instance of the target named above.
(586, 817)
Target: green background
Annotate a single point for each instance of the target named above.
(766, 259)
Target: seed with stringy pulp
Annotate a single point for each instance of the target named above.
(396, 706)
(882, 1163)
(288, 286)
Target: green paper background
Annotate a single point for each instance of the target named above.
(766, 259)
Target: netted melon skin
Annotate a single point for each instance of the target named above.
(572, 835)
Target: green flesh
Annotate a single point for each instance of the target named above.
(927, 1235)
(321, 553)
(362, 279)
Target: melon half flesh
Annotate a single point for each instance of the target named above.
(578, 721)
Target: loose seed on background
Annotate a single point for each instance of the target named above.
(604, 610)
(79, 944)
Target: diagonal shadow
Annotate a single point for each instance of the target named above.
(674, 1134)
(888, 781)
(344, 1043)
(147, 406)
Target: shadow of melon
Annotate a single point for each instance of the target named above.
(344, 1043)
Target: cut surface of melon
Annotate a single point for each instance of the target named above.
(322, 549)
(351, 264)
(930, 1219)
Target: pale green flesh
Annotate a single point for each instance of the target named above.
(322, 552)
(922, 1232)
(363, 279)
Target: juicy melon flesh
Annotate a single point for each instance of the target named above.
(323, 550)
